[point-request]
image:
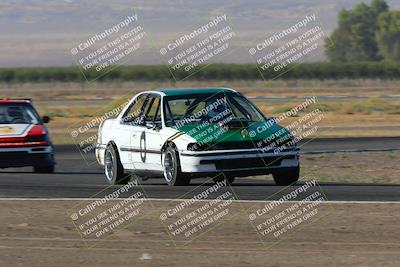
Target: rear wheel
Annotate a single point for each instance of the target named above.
(113, 168)
(172, 168)
(47, 164)
(286, 176)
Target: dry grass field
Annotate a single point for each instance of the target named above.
(351, 107)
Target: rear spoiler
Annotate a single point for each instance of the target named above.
(16, 99)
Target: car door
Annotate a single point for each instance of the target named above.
(151, 141)
(130, 128)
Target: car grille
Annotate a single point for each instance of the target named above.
(226, 146)
(243, 163)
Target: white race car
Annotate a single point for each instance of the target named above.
(181, 134)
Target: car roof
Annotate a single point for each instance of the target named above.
(15, 101)
(189, 91)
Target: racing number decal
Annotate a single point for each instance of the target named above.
(143, 146)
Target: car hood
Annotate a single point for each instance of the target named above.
(236, 133)
(7, 130)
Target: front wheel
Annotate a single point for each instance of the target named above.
(113, 168)
(286, 176)
(172, 169)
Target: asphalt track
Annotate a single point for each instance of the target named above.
(75, 178)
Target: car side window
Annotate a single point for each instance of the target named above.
(134, 114)
(153, 110)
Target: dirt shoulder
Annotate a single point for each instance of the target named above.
(39, 233)
(363, 167)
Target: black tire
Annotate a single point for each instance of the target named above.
(44, 169)
(113, 169)
(286, 176)
(229, 178)
(172, 168)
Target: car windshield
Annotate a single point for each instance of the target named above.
(198, 108)
(18, 114)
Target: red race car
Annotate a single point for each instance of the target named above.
(24, 139)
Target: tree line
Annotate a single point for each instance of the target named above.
(221, 72)
(366, 33)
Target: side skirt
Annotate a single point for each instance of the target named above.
(146, 173)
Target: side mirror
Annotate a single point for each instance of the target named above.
(46, 119)
(151, 125)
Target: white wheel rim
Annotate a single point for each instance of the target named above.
(169, 167)
(109, 165)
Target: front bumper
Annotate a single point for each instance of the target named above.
(239, 162)
(26, 156)
(99, 152)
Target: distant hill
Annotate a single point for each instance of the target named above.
(42, 32)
